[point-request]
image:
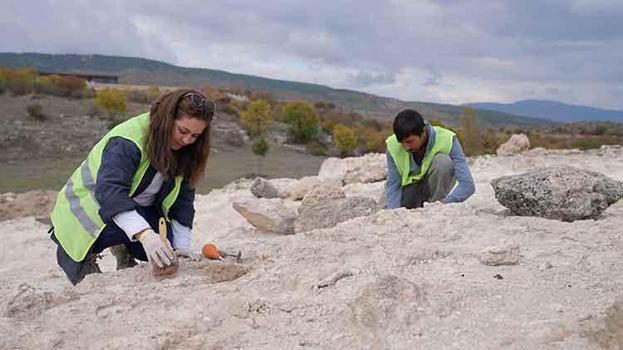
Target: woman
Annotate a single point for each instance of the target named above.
(143, 169)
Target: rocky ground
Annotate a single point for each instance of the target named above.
(468, 275)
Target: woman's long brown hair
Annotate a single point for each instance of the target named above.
(189, 161)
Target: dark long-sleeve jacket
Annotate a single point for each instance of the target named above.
(120, 161)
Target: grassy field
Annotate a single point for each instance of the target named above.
(223, 167)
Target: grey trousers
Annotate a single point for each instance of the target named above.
(435, 185)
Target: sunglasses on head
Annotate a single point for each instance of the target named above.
(201, 103)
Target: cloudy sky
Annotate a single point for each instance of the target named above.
(449, 51)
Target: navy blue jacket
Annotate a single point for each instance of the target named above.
(120, 161)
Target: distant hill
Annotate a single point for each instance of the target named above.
(149, 72)
(555, 111)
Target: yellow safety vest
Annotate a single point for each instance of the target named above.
(75, 216)
(441, 144)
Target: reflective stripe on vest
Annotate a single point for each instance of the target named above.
(75, 216)
(74, 202)
(441, 144)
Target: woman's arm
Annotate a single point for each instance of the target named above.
(183, 210)
(120, 160)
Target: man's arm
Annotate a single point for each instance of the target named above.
(393, 191)
(462, 174)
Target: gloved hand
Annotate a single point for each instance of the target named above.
(186, 252)
(158, 252)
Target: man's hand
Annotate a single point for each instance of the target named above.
(158, 252)
(187, 253)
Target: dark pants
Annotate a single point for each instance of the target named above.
(435, 186)
(111, 235)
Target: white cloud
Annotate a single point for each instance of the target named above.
(444, 51)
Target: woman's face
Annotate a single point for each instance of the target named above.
(186, 131)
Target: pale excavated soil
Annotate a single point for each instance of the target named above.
(397, 279)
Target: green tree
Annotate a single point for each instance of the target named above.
(345, 139)
(303, 119)
(257, 117)
(260, 148)
(470, 133)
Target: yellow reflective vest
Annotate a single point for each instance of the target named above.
(75, 216)
(441, 144)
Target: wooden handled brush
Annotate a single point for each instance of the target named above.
(167, 270)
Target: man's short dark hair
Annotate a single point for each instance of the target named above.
(408, 122)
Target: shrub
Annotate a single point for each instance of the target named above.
(20, 81)
(153, 93)
(328, 125)
(212, 93)
(371, 140)
(112, 102)
(601, 129)
(238, 105)
(72, 86)
(3, 83)
(345, 139)
(332, 117)
(316, 148)
(278, 112)
(141, 95)
(263, 95)
(373, 124)
(64, 86)
(321, 105)
(491, 141)
(586, 143)
(303, 119)
(260, 146)
(227, 108)
(35, 111)
(257, 117)
(436, 122)
(47, 85)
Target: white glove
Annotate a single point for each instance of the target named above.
(187, 253)
(158, 252)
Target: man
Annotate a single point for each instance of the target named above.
(423, 164)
